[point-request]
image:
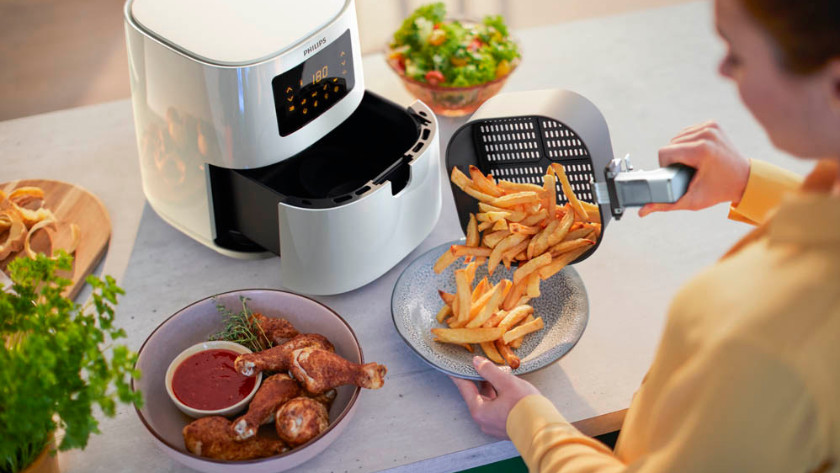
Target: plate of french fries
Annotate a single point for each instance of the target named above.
(506, 291)
(530, 335)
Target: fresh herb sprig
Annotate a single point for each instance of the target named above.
(53, 367)
(241, 328)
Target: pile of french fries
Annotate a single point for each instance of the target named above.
(517, 224)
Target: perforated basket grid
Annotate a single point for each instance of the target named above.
(520, 149)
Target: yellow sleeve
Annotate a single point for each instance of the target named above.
(549, 443)
(766, 186)
(735, 410)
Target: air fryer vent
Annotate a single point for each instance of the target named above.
(520, 149)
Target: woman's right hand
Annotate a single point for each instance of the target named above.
(722, 172)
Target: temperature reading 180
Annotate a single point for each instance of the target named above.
(319, 75)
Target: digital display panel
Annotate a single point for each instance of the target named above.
(302, 94)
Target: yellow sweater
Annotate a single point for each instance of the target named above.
(747, 374)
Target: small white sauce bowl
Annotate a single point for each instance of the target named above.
(199, 347)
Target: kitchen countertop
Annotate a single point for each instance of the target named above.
(651, 73)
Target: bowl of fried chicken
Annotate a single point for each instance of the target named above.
(312, 372)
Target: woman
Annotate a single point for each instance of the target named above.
(747, 375)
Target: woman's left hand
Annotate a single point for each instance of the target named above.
(491, 403)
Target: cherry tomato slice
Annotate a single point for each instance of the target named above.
(434, 77)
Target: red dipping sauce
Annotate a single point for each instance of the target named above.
(208, 380)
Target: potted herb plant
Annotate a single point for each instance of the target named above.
(53, 367)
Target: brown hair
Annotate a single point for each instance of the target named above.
(806, 32)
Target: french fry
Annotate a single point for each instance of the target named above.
(485, 225)
(483, 183)
(490, 307)
(522, 301)
(500, 225)
(492, 239)
(496, 255)
(493, 216)
(463, 293)
(570, 245)
(513, 296)
(523, 229)
(479, 289)
(468, 335)
(473, 238)
(443, 313)
(470, 270)
(523, 330)
(472, 191)
(588, 206)
(465, 250)
(495, 319)
(446, 297)
(518, 342)
(541, 240)
(515, 316)
(560, 262)
(532, 288)
(549, 184)
(485, 207)
(512, 200)
(582, 232)
(535, 218)
(512, 252)
(534, 264)
(509, 356)
(567, 190)
(560, 231)
(444, 261)
(492, 353)
(459, 178)
(517, 187)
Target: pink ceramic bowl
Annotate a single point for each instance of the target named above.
(193, 324)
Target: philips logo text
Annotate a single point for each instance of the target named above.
(315, 46)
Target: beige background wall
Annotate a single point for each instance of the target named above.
(57, 54)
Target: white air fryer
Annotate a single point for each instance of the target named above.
(256, 134)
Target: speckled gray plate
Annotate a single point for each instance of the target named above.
(563, 306)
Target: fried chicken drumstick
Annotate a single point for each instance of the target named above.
(279, 358)
(210, 437)
(321, 370)
(276, 329)
(275, 391)
(300, 420)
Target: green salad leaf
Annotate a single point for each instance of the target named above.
(429, 48)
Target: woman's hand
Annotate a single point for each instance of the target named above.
(721, 175)
(491, 403)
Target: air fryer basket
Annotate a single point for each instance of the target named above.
(517, 136)
(374, 145)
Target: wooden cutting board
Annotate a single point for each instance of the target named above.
(69, 204)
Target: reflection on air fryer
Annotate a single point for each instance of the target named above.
(168, 147)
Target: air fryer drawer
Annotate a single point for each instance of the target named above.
(375, 145)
